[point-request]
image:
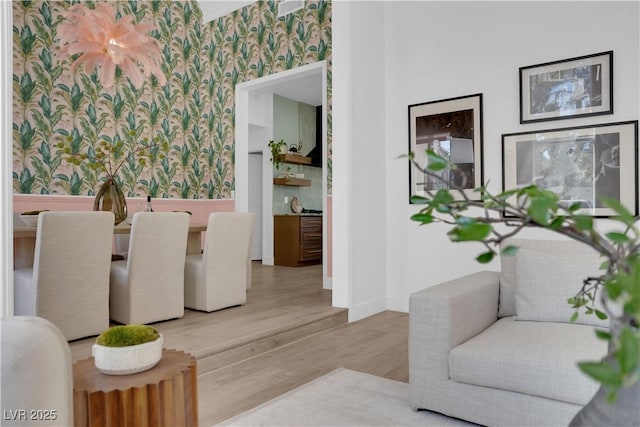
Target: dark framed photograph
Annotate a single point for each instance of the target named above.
(575, 87)
(580, 164)
(452, 128)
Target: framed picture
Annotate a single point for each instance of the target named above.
(453, 129)
(575, 87)
(579, 164)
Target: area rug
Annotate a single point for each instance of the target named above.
(343, 398)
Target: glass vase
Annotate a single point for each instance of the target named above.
(110, 198)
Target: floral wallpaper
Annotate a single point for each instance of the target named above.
(193, 111)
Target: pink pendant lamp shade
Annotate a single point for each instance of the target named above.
(104, 43)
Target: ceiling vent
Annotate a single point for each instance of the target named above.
(286, 7)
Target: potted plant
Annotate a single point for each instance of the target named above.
(107, 157)
(617, 402)
(127, 349)
(278, 149)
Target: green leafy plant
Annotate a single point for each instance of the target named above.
(109, 156)
(618, 287)
(127, 335)
(277, 148)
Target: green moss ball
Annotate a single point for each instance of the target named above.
(126, 335)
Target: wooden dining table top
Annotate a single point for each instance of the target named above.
(23, 231)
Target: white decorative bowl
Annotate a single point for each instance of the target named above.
(29, 220)
(127, 360)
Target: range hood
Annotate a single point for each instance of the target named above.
(316, 152)
(316, 156)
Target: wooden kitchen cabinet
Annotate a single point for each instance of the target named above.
(297, 240)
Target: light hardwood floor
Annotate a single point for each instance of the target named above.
(284, 336)
(376, 345)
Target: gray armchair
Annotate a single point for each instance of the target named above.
(497, 348)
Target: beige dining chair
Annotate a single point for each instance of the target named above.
(69, 281)
(219, 277)
(148, 286)
(121, 246)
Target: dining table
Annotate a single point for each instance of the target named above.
(24, 241)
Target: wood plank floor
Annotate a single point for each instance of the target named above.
(281, 299)
(285, 335)
(376, 345)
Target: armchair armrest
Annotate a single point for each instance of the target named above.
(445, 315)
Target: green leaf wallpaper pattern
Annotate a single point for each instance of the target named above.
(194, 112)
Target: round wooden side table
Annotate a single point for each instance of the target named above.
(165, 395)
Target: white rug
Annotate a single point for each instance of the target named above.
(343, 398)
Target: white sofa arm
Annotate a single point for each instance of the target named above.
(440, 318)
(37, 375)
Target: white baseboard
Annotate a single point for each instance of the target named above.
(327, 283)
(398, 304)
(366, 309)
(267, 261)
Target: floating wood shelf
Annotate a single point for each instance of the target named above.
(296, 159)
(298, 182)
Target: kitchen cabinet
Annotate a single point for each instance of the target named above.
(297, 240)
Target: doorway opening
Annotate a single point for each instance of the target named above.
(255, 128)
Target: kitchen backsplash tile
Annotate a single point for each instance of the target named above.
(310, 197)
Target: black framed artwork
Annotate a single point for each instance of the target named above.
(575, 87)
(580, 164)
(452, 128)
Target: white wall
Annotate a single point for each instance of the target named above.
(260, 131)
(359, 163)
(405, 53)
(437, 50)
(342, 239)
(6, 190)
(285, 120)
(255, 201)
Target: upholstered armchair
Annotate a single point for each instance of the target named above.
(219, 277)
(498, 348)
(149, 285)
(69, 281)
(37, 380)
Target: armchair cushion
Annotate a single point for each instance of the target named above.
(545, 283)
(557, 250)
(535, 358)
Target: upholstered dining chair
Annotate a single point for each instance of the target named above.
(218, 278)
(121, 247)
(69, 281)
(148, 286)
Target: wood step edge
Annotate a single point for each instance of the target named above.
(230, 356)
